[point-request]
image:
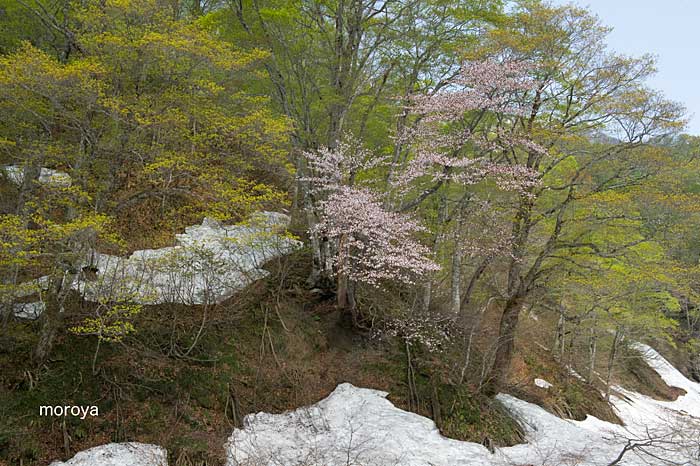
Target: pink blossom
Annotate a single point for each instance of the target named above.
(482, 85)
(375, 245)
(445, 148)
(372, 243)
(331, 168)
(430, 330)
(488, 234)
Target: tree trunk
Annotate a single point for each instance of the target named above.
(506, 344)
(342, 291)
(51, 324)
(466, 297)
(52, 319)
(318, 261)
(428, 287)
(345, 290)
(518, 288)
(456, 301)
(427, 296)
(30, 175)
(342, 280)
(559, 336)
(435, 402)
(611, 362)
(593, 349)
(567, 357)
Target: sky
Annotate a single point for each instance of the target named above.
(668, 29)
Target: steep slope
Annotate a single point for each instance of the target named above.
(359, 426)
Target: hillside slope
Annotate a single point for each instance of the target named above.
(361, 427)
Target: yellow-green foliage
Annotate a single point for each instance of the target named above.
(112, 322)
(18, 245)
(179, 92)
(154, 107)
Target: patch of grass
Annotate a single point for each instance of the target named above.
(639, 376)
(474, 418)
(569, 397)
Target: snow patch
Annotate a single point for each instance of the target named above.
(208, 265)
(543, 384)
(29, 311)
(119, 454)
(552, 440)
(351, 426)
(47, 176)
(573, 372)
(360, 426)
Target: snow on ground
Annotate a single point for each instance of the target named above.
(352, 425)
(47, 176)
(541, 383)
(356, 426)
(690, 402)
(119, 454)
(551, 440)
(360, 427)
(28, 311)
(674, 425)
(209, 264)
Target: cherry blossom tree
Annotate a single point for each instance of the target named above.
(580, 88)
(376, 245)
(461, 137)
(370, 237)
(370, 244)
(466, 135)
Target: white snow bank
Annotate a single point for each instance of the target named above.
(48, 176)
(119, 454)
(541, 383)
(352, 425)
(208, 265)
(675, 425)
(674, 378)
(361, 424)
(552, 440)
(360, 427)
(29, 311)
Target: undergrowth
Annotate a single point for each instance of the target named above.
(272, 348)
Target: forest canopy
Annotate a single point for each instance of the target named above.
(452, 168)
